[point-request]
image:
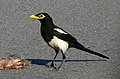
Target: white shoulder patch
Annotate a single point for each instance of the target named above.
(60, 31)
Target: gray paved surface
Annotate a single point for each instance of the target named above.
(95, 23)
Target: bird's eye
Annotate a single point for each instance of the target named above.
(41, 16)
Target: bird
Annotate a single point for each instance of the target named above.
(59, 39)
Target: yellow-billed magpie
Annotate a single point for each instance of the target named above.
(59, 39)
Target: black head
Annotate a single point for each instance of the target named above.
(41, 17)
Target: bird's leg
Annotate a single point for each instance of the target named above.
(52, 64)
(64, 57)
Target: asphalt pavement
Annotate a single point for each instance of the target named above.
(95, 24)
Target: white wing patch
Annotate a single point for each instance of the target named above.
(58, 44)
(60, 31)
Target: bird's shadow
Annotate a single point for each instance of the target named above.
(45, 61)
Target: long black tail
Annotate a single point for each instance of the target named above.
(81, 47)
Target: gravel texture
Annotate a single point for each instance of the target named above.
(95, 23)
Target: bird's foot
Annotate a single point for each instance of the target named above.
(52, 66)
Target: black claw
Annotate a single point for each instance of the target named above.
(52, 66)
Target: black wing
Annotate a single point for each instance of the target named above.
(65, 37)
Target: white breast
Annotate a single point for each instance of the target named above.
(59, 44)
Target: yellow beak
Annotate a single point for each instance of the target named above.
(34, 17)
